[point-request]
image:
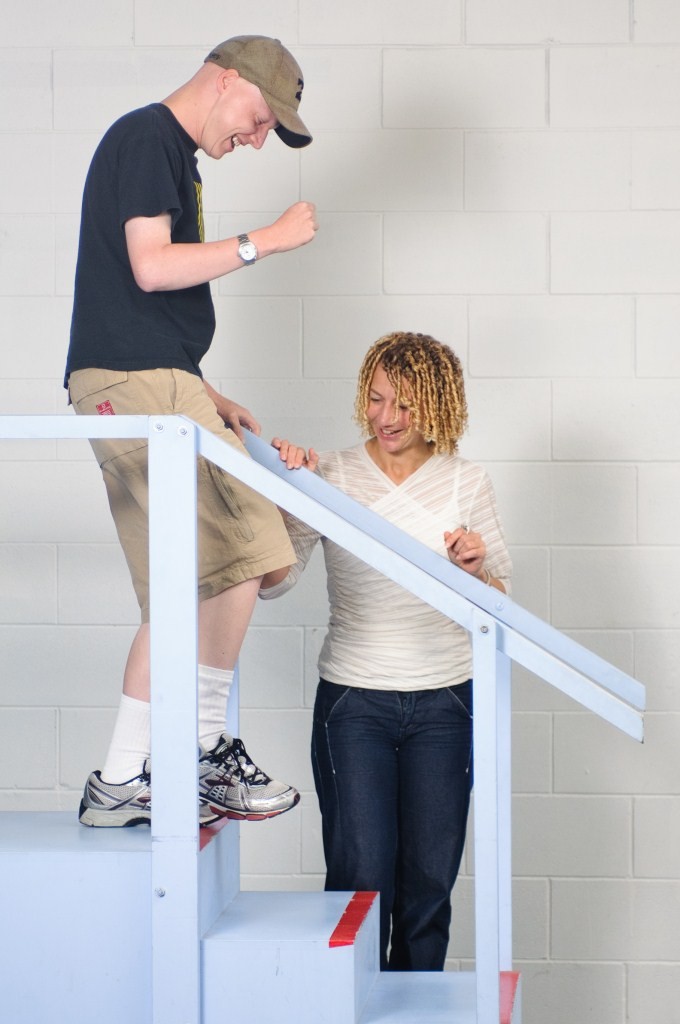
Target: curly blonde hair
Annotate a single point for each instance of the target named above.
(436, 391)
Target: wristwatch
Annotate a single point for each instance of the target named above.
(247, 250)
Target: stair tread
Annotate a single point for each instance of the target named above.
(53, 832)
(280, 916)
(428, 997)
(421, 998)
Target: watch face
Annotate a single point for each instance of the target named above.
(247, 251)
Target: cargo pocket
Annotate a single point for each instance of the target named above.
(85, 384)
(220, 499)
(97, 392)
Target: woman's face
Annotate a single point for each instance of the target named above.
(390, 424)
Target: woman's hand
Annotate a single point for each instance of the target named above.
(294, 456)
(466, 550)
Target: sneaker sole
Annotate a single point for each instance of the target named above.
(95, 817)
(101, 818)
(235, 814)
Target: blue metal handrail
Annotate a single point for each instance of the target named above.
(511, 617)
(501, 631)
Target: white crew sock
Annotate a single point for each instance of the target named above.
(131, 741)
(214, 685)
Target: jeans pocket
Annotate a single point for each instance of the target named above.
(329, 699)
(461, 697)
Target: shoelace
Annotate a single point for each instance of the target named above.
(235, 756)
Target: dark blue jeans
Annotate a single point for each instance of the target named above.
(393, 774)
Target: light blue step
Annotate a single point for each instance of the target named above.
(268, 958)
(75, 906)
(76, 919)
(286, 970)
(434, 998)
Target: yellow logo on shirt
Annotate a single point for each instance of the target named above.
(199, 210)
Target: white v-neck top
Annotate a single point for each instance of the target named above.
(380, 636)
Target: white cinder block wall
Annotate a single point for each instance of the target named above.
(504, 174)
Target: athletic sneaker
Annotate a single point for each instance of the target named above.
(233, 787)
(108, 805)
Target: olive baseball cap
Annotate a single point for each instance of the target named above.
(267, 64)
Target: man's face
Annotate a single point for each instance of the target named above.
(239, 117)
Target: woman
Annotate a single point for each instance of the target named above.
(392, 734)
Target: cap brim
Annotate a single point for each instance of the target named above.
(291, 128)
(292, 138)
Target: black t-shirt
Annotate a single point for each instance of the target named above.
(145, 165)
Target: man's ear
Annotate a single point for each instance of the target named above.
(225, 78)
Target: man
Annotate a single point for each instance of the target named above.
(143, 318)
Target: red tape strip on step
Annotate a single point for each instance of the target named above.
(509, 983)
(208, 832)
(352, 919)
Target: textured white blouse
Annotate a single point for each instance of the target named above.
(380, 636)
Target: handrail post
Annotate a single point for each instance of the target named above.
(176, 982)
(504, 743)
(487, 847)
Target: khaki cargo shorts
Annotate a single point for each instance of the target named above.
(240, 534)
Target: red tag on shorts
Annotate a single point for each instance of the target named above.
(105, 409)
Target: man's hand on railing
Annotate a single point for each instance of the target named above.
(232, 414)
(294, 456)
